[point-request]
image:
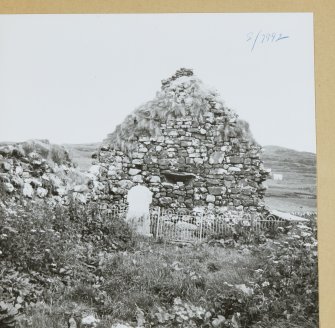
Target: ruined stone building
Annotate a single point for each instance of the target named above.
(187, 147)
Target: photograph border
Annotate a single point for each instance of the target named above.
(324, 37)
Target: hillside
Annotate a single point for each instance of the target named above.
(297, 190)
(81, 154)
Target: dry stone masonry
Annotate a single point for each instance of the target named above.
(187, 147)
(36, 169)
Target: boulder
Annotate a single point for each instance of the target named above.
(9, 187)
(28, 190)
(6, 166)
(89, 321)
(17, 181)
(41, 192)
(19, 170)
(61, 191)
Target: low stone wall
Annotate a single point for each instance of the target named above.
(38, 170)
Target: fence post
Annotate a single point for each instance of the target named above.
(202, 218)
(158, 221)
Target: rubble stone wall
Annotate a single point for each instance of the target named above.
(189, 164)
(39, 170)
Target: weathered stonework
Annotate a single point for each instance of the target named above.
(188, 157)
(36, 169)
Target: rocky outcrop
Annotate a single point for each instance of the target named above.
(38, 170)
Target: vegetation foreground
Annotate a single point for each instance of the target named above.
(70, 267)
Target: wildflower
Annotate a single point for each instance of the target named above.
(265, 284)
(246, 223)
(245, 289)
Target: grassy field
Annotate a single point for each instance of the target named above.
(81, 154)
(149, 279)
(297, 191)
(68, 264)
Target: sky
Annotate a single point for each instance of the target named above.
(73, 78)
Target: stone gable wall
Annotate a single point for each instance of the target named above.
(189, 164)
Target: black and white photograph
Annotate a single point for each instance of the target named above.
(158, 170)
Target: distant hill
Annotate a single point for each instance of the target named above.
(81, 154)
(297, 190)
(285, 160)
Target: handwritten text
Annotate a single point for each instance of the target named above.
(256, 39)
